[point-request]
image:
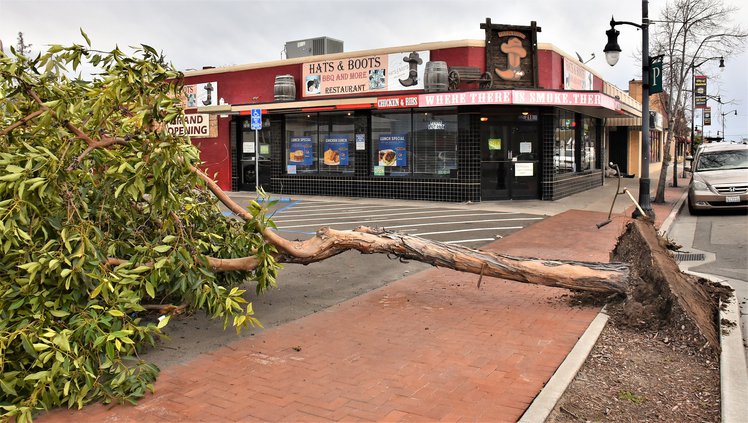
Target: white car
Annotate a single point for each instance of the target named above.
(719, 178)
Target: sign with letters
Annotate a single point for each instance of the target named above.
(655, 75)
(699, 85)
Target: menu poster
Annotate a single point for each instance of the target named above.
(300, 151)
(336, 150)
(393, 150)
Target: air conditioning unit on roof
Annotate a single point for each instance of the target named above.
(313, 47)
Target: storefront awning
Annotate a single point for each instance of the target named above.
(590, 103)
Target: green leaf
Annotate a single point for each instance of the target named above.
(86, 37)
(150, 290)
(163, 322)
(116, 313)
(59, 313)
(162, 248)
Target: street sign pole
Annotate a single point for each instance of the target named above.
(256, 122)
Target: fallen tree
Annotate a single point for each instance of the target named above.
(104, 215)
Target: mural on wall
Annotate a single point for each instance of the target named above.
(356, 75)
(576, 77)
(512, 54)
(200, 95)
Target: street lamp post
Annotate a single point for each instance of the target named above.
(723, 120)
(612, 53)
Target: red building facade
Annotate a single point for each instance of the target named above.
(469, 120)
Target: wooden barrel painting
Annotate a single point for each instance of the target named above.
(285, 88)
(436, 78)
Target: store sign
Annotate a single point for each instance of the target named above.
(576, 77)
(436, 125)
(699, 85)
(707, 116)
(357, 75)
(397, 102)
(199, 95)
(195, 125)
(520, 97)
(512, 54)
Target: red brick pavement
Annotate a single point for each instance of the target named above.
(430, 347)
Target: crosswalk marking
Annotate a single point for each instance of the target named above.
(367, 221)
(369, 213)
(500, 228)
(302, 220)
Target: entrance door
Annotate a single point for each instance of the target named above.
(510, 157)
(249, 148)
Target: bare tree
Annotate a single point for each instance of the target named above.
(689, 34)
(21, 46)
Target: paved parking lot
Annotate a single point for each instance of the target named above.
(472, 228)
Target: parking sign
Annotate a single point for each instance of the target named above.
(256, 118)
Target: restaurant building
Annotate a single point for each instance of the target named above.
(468, 120)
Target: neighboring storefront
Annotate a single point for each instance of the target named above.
(447, 121)
(623, 134)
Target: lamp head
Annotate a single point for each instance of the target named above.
(612, 49)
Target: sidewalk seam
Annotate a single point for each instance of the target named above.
(546, 400)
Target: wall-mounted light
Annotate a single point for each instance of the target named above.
(483, 119)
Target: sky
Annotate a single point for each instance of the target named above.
(198, 33)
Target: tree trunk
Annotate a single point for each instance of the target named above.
(606, 278)
(660, 293)
(662, 181)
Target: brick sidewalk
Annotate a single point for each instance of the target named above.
(430, 347)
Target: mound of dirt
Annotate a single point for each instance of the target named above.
(658, 357)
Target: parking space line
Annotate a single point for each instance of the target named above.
(368, 212)
(462, 241)
(462, 222)
(504, 228)
(364, 222)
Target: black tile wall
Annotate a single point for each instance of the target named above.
(465, 186)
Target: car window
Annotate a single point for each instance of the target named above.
(720, 160)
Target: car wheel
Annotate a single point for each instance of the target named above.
(692, 210)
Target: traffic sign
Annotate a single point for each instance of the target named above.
(256, 119)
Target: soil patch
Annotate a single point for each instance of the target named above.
(658, 357)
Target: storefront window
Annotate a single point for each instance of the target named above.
(390, 134)
(301, 143)
(564, 142)
(337, 142)
(434, 149)
(420, 143)
(589, 142)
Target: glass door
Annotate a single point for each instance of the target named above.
(510, 160)
(249, 149)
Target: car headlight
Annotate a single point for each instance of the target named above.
(699, 185)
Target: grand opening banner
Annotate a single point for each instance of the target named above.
(376, 73)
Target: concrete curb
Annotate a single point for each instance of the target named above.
(732, 362)
(543, 404)
(733, 373)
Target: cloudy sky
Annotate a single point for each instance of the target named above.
(198, 33)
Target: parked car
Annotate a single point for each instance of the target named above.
(719, 178)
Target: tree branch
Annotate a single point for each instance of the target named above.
(78, 133)
(25, 119)
(91, 147)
